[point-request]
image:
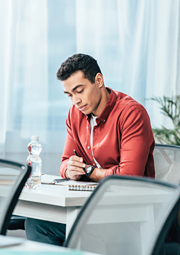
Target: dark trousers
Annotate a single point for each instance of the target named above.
(45, 231)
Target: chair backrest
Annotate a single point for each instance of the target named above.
(124, 215)
(12, 179)
(167, 163)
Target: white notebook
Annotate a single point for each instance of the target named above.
(82, 186)
(73, 185)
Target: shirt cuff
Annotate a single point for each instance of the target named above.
(111, 171)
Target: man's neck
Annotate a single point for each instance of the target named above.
(104, 99)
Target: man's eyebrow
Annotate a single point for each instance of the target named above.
(80, 85)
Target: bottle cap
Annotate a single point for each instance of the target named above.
(34, 138)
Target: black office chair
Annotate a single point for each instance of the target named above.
(127, 215)
(13, 176)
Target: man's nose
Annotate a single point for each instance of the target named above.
(76, 99)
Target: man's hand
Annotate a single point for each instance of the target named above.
(75, 167)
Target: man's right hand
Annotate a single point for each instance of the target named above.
(75, 167)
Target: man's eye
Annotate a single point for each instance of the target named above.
(69, 95)
(80, 91)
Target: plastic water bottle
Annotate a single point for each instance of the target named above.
(34, 148)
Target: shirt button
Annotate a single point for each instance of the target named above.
(104, 120)
(88, 147)
(87, 127)
(93, 164)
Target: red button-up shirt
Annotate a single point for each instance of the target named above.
(123, 141)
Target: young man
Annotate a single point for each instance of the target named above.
(109, 131)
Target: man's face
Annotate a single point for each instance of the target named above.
(83, 94)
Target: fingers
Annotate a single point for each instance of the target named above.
(76, 163)
(75, 167)
(72, 176)
(76, 158)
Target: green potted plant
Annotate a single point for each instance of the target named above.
(170, 107)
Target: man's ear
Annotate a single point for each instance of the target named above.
(99, 80)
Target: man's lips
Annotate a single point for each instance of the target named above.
(82, 107)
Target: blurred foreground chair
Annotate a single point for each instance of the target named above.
(127, 215)
(167, 168)
(12, 179)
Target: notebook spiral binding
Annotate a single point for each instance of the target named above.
(82, 187)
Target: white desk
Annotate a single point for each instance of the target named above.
(52, 203)
(30, 247)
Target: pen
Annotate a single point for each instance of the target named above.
(82, 167)
(75, 153)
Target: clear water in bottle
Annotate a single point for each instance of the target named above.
(34, 160)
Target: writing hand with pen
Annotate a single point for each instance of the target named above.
(76, 168)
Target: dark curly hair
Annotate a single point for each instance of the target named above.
(79, 62)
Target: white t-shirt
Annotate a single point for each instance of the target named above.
(92, 124)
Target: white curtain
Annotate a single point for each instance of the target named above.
(136, 43)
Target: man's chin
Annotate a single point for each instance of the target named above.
(86, 112)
